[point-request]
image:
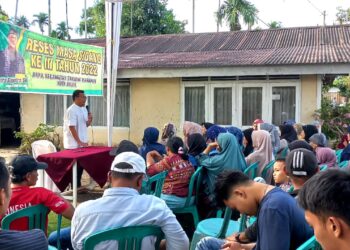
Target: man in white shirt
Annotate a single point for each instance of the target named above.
(76, 120)
(122, 206)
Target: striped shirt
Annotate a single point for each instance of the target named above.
(23, 240)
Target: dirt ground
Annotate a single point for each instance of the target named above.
(9, 153)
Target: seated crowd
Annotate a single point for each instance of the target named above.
(290, 196)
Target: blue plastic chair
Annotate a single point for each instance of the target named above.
(158, 179)
(343, 164)
(129, 238)
(323, 168)
(251, 170)
(310, 244)
(338, 154)
(267, 168)
(189, 208)
(218, 227)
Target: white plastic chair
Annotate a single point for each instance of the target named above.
(39, 148)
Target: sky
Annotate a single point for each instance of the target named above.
(291, 13)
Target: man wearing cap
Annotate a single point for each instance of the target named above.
(33, 239)
(301, 165)
(122, 206)
(24, 175)
(11, 62)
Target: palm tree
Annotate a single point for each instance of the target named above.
(67, 19)
(275, 25)
(42, 19)
(49, 14)
(233, 10)
(3, 15)
(22, 21)
(62, 31)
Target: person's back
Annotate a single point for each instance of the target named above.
(280, 217)
(123, 206)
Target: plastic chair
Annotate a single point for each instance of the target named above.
(37, 219)
(251, 170)
(338, 154)
(39, 148)
(266, 169)
(343, 164)
(310, 244)
(158, 179)
(323, 167)
(218, 227)
(192, 208)
(129, 238)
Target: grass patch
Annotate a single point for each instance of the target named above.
(52, 226)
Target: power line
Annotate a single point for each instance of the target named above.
(315, 7)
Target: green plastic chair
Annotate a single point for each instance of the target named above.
(323, 168)
(251, 170)
(218, 227)
(37, 219)
(129, 238)
(338, 154)
(310, 244)
(189, 208)
(266, 169)
(158, 179)
(343, 164)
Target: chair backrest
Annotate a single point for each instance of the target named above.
(225, 223)
(194, 183)
(323, 167)
(251, 170)
(129, 238)
(37, 216)
(42, 147)
(158, 179)
(338, 154)
(310, 244)
(343, 164)
(266, 169)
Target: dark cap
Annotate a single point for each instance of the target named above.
(301, 163)
(23, 164)
(124, 146)
(299, 144)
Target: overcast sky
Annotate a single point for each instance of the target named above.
(291, 13)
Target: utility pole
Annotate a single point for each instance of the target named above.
(193, 12)
(49, 10)
(85, 21)
(67, 20)
(16, 10)
(324, 18)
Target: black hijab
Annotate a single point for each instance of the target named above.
(248, 136)
(288, 133)
(196, 144)
(309, 131)
(124, 146)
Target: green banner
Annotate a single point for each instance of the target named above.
(32, 63)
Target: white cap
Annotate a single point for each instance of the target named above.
(135, 160)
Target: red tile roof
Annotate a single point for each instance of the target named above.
(302, 45)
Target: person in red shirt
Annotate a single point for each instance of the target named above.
(179, 169)
(24, 175)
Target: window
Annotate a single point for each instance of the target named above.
(56, 106)
(283, 104)
(195, 104)
(251, 104)
(223, 106)
(54, 109)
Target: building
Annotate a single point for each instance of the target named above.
(225, 78)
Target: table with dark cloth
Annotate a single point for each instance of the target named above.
(95, 160)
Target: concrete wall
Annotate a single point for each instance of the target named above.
(308, 97)
(154, 102)
(32, 111)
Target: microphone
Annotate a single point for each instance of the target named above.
(87, 108)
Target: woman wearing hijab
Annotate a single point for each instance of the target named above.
(229, 157)
(288, 133)
(256, 122)
(180, 170)
(299, 129)
(248, 142)
(237, 133)
(205, 127)
(262, 151)
(196, 146)
(150, 138)
(308, 131)
(275, 138)
(169, 131)
(213, 133)
(324, 155)
(190, 128)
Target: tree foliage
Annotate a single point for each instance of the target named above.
(275, 25)
(142, 17)
(22, 21)
(61, 31)
(233, 10)
(3, 15)
(343, 15)
(42, 19)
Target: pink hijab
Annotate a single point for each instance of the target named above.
(326, 156)
(191, 128)
(262, 150)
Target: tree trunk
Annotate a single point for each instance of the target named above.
(49, 5)
(67, 20)
(16, 10)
